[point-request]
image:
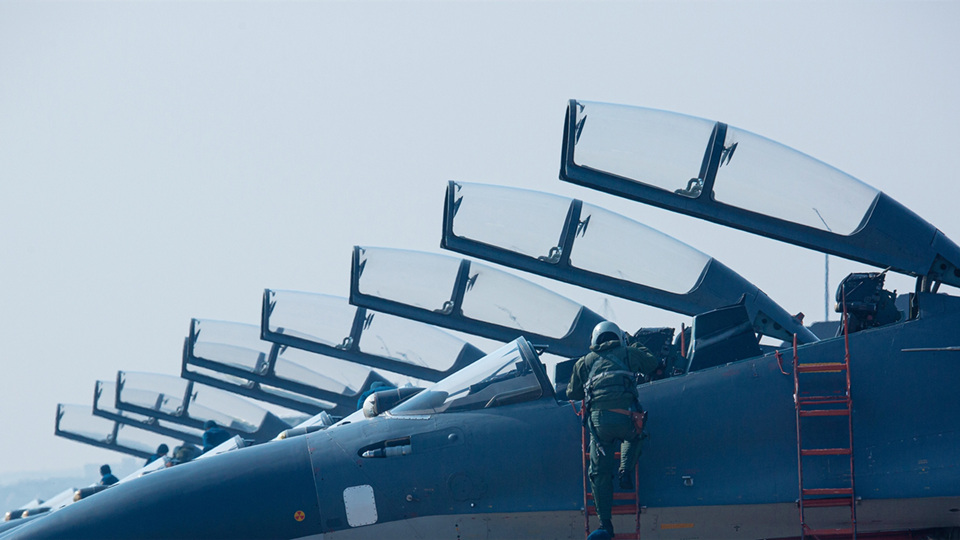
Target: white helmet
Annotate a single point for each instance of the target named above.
(604, 332)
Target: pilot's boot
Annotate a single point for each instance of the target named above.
(626, 479)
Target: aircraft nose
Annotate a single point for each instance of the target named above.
(265, 491)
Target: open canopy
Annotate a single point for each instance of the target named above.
(104, 399)
(235, 349)
(75, 422)
(231, 356)
(185, 402)
(733, 177)
(583, 244)
(331, 326)
(470, 297)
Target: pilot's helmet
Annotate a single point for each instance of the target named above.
(604, 332)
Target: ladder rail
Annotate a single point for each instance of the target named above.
(796, 402)
(812, 407)
(846, 362)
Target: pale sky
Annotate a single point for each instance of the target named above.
(167, 160)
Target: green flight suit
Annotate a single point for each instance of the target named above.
(609, 428)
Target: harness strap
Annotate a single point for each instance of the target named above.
(595, 378)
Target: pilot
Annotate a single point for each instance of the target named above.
(213, 436)
(606, 379)
(106, 477)
(160, 453)
(182, 454)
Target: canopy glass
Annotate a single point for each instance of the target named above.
(331, 321)
(511, 374)
(671, 151)
(178, 397)
(534, 224)
(426, 280)
(76, 422)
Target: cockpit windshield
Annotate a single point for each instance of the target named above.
(511, 374)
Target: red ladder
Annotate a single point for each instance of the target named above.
(812, 409)
(624, 503)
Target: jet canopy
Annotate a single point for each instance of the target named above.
(511, 374)
(330, 326)
(104, 406)
(470, 297)
(736, 178)
(76, 423)
(177, 400)
(583, 244)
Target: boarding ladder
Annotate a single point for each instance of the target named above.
(624, 503)
(821, 394)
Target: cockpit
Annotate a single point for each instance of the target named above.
(511, 374)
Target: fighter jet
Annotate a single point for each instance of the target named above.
(491, 452)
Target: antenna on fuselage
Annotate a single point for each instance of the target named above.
(826, 274)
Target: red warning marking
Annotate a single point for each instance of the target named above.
(299, 515)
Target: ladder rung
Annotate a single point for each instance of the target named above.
(822, 400)
(827, 532)
(619, 496)
(621, 510)
(825, 452)
(821, 367)
(823, 503)
(825, 412)
(827, 491)
(624, 510)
